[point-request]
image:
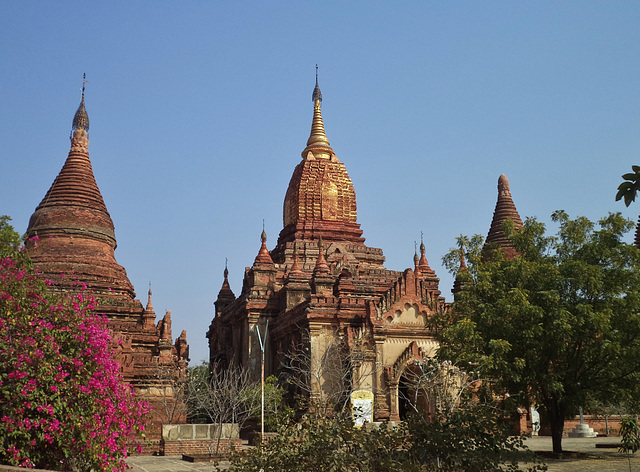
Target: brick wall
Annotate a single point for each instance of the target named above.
(198, 439)
(199, 447)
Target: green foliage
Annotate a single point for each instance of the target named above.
(8, 235)
(276, 410)
(197, 378)
(470, 248)
(10, 242)
(629, 188)
(558, 326)
(472, 439)
(63, 405)
(630, 434)
(329, 444)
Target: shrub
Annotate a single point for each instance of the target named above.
(63, 405)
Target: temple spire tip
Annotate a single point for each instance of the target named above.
(81, 118)
(317, 143)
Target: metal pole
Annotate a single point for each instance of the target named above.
(262, 345)
(262, 408)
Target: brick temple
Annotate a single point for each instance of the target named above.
(77, 243)
(322, 283)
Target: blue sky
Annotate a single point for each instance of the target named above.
(199, 111)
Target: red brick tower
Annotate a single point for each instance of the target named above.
(77, 242)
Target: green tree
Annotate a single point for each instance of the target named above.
(197, 379)
(629, 188)
(10, 240)
(559, 325)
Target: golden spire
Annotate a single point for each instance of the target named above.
(317, 143)
(81, 118)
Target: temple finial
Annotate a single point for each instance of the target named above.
(81, 118)
(317, 144)
(317, 94)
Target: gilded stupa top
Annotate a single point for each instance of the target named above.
(318, 143)
(320, 188)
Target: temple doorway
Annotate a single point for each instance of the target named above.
(413, 394)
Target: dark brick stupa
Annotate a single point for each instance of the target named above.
(505, 210)
(77, 243)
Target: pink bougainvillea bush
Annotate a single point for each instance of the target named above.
(63, 405)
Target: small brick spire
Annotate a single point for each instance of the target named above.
(423, 265)
(148, 315)
(295, 270)
(321, 263)
(149, 305)
(225, 293)
(263, 257)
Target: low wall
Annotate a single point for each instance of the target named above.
(10, 468)
(598, 424)
(199, 439)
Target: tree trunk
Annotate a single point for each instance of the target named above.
(556, 420)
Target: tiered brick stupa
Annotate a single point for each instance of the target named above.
(321, 283)
(505, 210)
(77, 243)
